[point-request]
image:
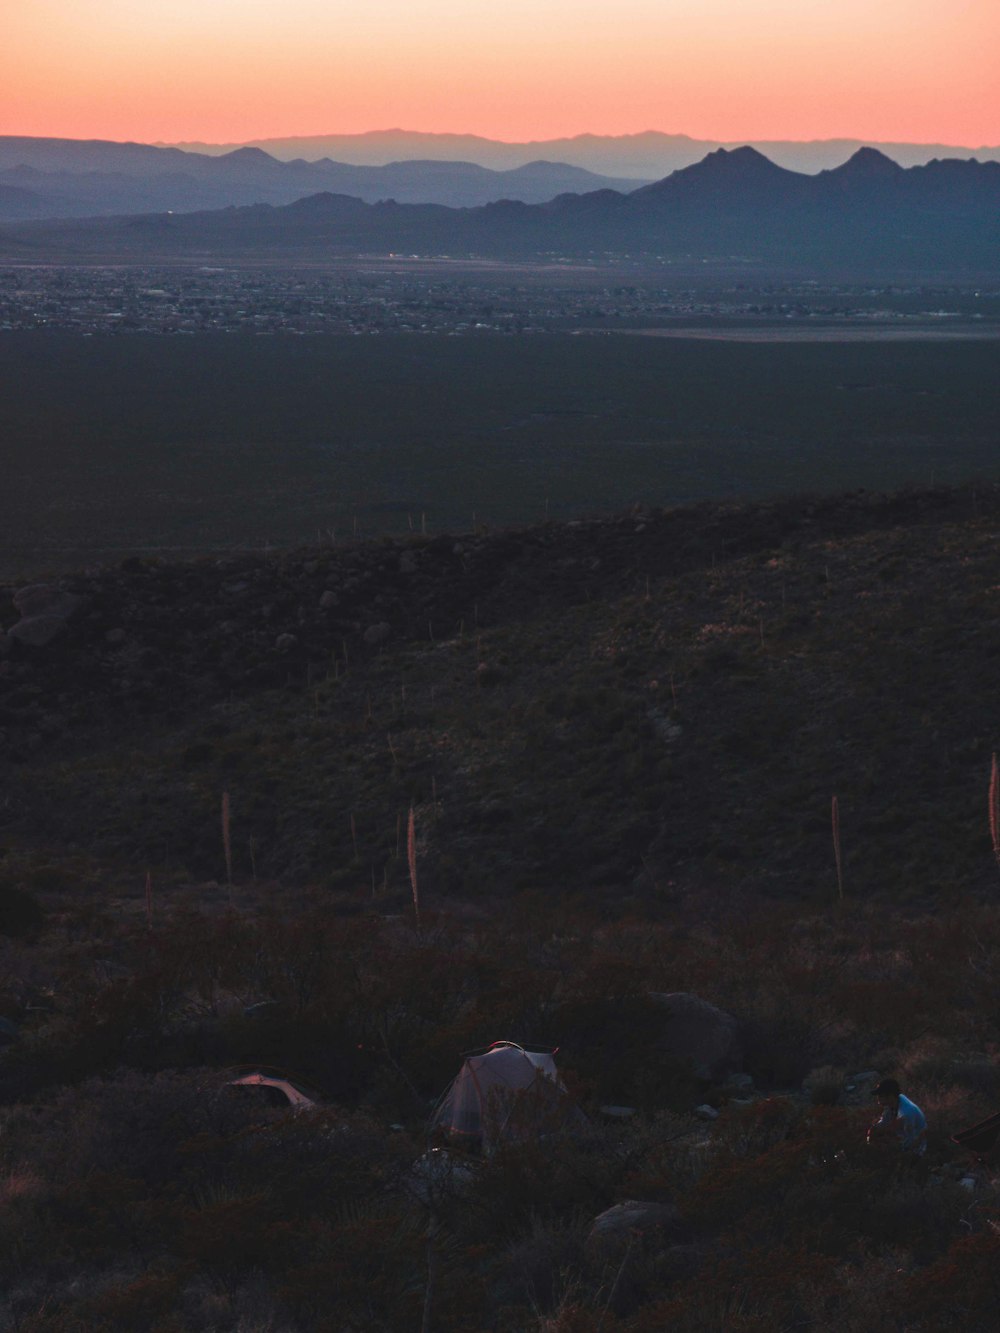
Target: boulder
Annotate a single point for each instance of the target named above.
(39, 599)
(37, 631)
(620, 1226)
(45, 610)
(377, 633)
(697, 1032)
(739, 1083)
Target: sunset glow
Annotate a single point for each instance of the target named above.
(233, 70)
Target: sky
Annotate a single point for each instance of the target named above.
(227, 71)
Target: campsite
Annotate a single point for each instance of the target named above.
(552, 802)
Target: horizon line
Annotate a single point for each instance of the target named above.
(510, 143)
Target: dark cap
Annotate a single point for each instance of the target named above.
(888, 1087)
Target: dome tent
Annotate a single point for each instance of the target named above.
(502, 1094)
(275, 1090)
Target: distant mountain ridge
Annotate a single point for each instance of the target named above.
(42, 178)
(648, 155)
(734, 206)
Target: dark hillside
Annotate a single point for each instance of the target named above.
(663, 697)
(619, 739)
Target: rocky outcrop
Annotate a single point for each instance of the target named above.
(45, 611)
(696, 1032)
(619, 1227)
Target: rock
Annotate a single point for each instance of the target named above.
(408, 563)
(617, 1112)
(115, 637)
(45, 599)
(617, 1227)
(968, 1183)
(37, 631)
(706, 1112)
(4, 644)
(697, 1032)
(329, 599)
(285, 641)
(738, 1083)
(377, 633)
(44, 609)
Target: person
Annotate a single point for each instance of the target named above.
(900, 1118)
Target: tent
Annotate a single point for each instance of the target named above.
(275, 1091)
(505, 1093)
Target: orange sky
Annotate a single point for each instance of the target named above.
(232, 70)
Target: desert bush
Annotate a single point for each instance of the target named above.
(749, 1131)
(960, 1289)
(369, 1270)
(754, 1291)
(781, 1041)
(612, 1041)
(523, 1183)
(233, 1233)
(107, 1214)
(129, 1123)
(937, 1062)
(825, 1085)
(21, 914)
(145, 1304)
(542, 1265)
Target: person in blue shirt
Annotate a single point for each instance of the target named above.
(900, 1119)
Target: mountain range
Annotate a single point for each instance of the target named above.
(869, 214)
(44, 178)
(649, 155)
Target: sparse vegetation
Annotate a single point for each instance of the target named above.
(633, 800)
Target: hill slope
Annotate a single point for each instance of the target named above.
(619, 741)
(656, 703)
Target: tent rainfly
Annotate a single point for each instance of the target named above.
(276, 1091)
(505, 1093)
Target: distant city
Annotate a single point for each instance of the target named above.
(351, 300)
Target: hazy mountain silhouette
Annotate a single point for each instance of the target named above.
(869, 213)
(80, 178)
(649, 154)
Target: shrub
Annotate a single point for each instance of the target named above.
(20, 913)
(961, 1289)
